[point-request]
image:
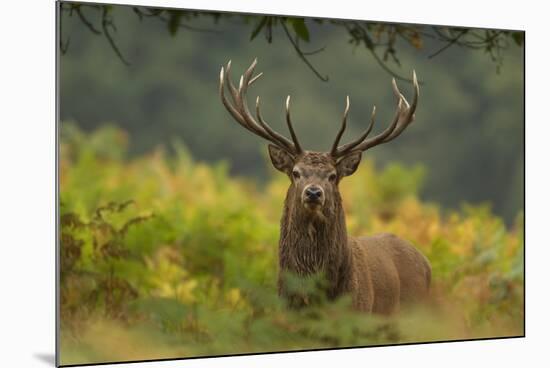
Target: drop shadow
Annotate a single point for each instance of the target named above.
(46, 358)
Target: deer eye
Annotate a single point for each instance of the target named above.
(296, 174)
(332, 177)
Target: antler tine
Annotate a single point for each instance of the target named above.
(232, 110)
(240, 112)
(404, 115)
(409, 118)
(226, 103)
(232, 88)
(342, 150)
(272, 136)
(290, 127)
(225, 78)
(248, 73)
(270, 131)
(255, 79)
(382, 136)
(334, 149)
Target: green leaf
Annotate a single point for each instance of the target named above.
(519, 37)
(300, 28)
(174, 22)
(261, 24)
(163, 309)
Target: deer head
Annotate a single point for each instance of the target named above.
(314, 175)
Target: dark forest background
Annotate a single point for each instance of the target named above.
(154, 73)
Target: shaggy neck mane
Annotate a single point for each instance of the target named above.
(313, 242)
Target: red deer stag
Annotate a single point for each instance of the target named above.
(381, 272)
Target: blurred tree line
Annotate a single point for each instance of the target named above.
(155, 74)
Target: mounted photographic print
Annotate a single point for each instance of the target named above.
(234, 183)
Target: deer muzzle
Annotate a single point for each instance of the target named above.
(313, 197)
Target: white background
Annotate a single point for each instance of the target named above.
(27, 182)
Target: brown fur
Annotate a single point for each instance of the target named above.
(381, 272)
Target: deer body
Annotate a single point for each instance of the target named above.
(394, 272)
(381, 272)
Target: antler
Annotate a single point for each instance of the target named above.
(240, 112)
(404, 115)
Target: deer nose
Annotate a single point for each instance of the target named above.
(314, 192)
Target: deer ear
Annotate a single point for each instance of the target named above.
(349, 163)
(280, 159)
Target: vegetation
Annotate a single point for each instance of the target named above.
(379, 39)
(163, 256)
(469, 125)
